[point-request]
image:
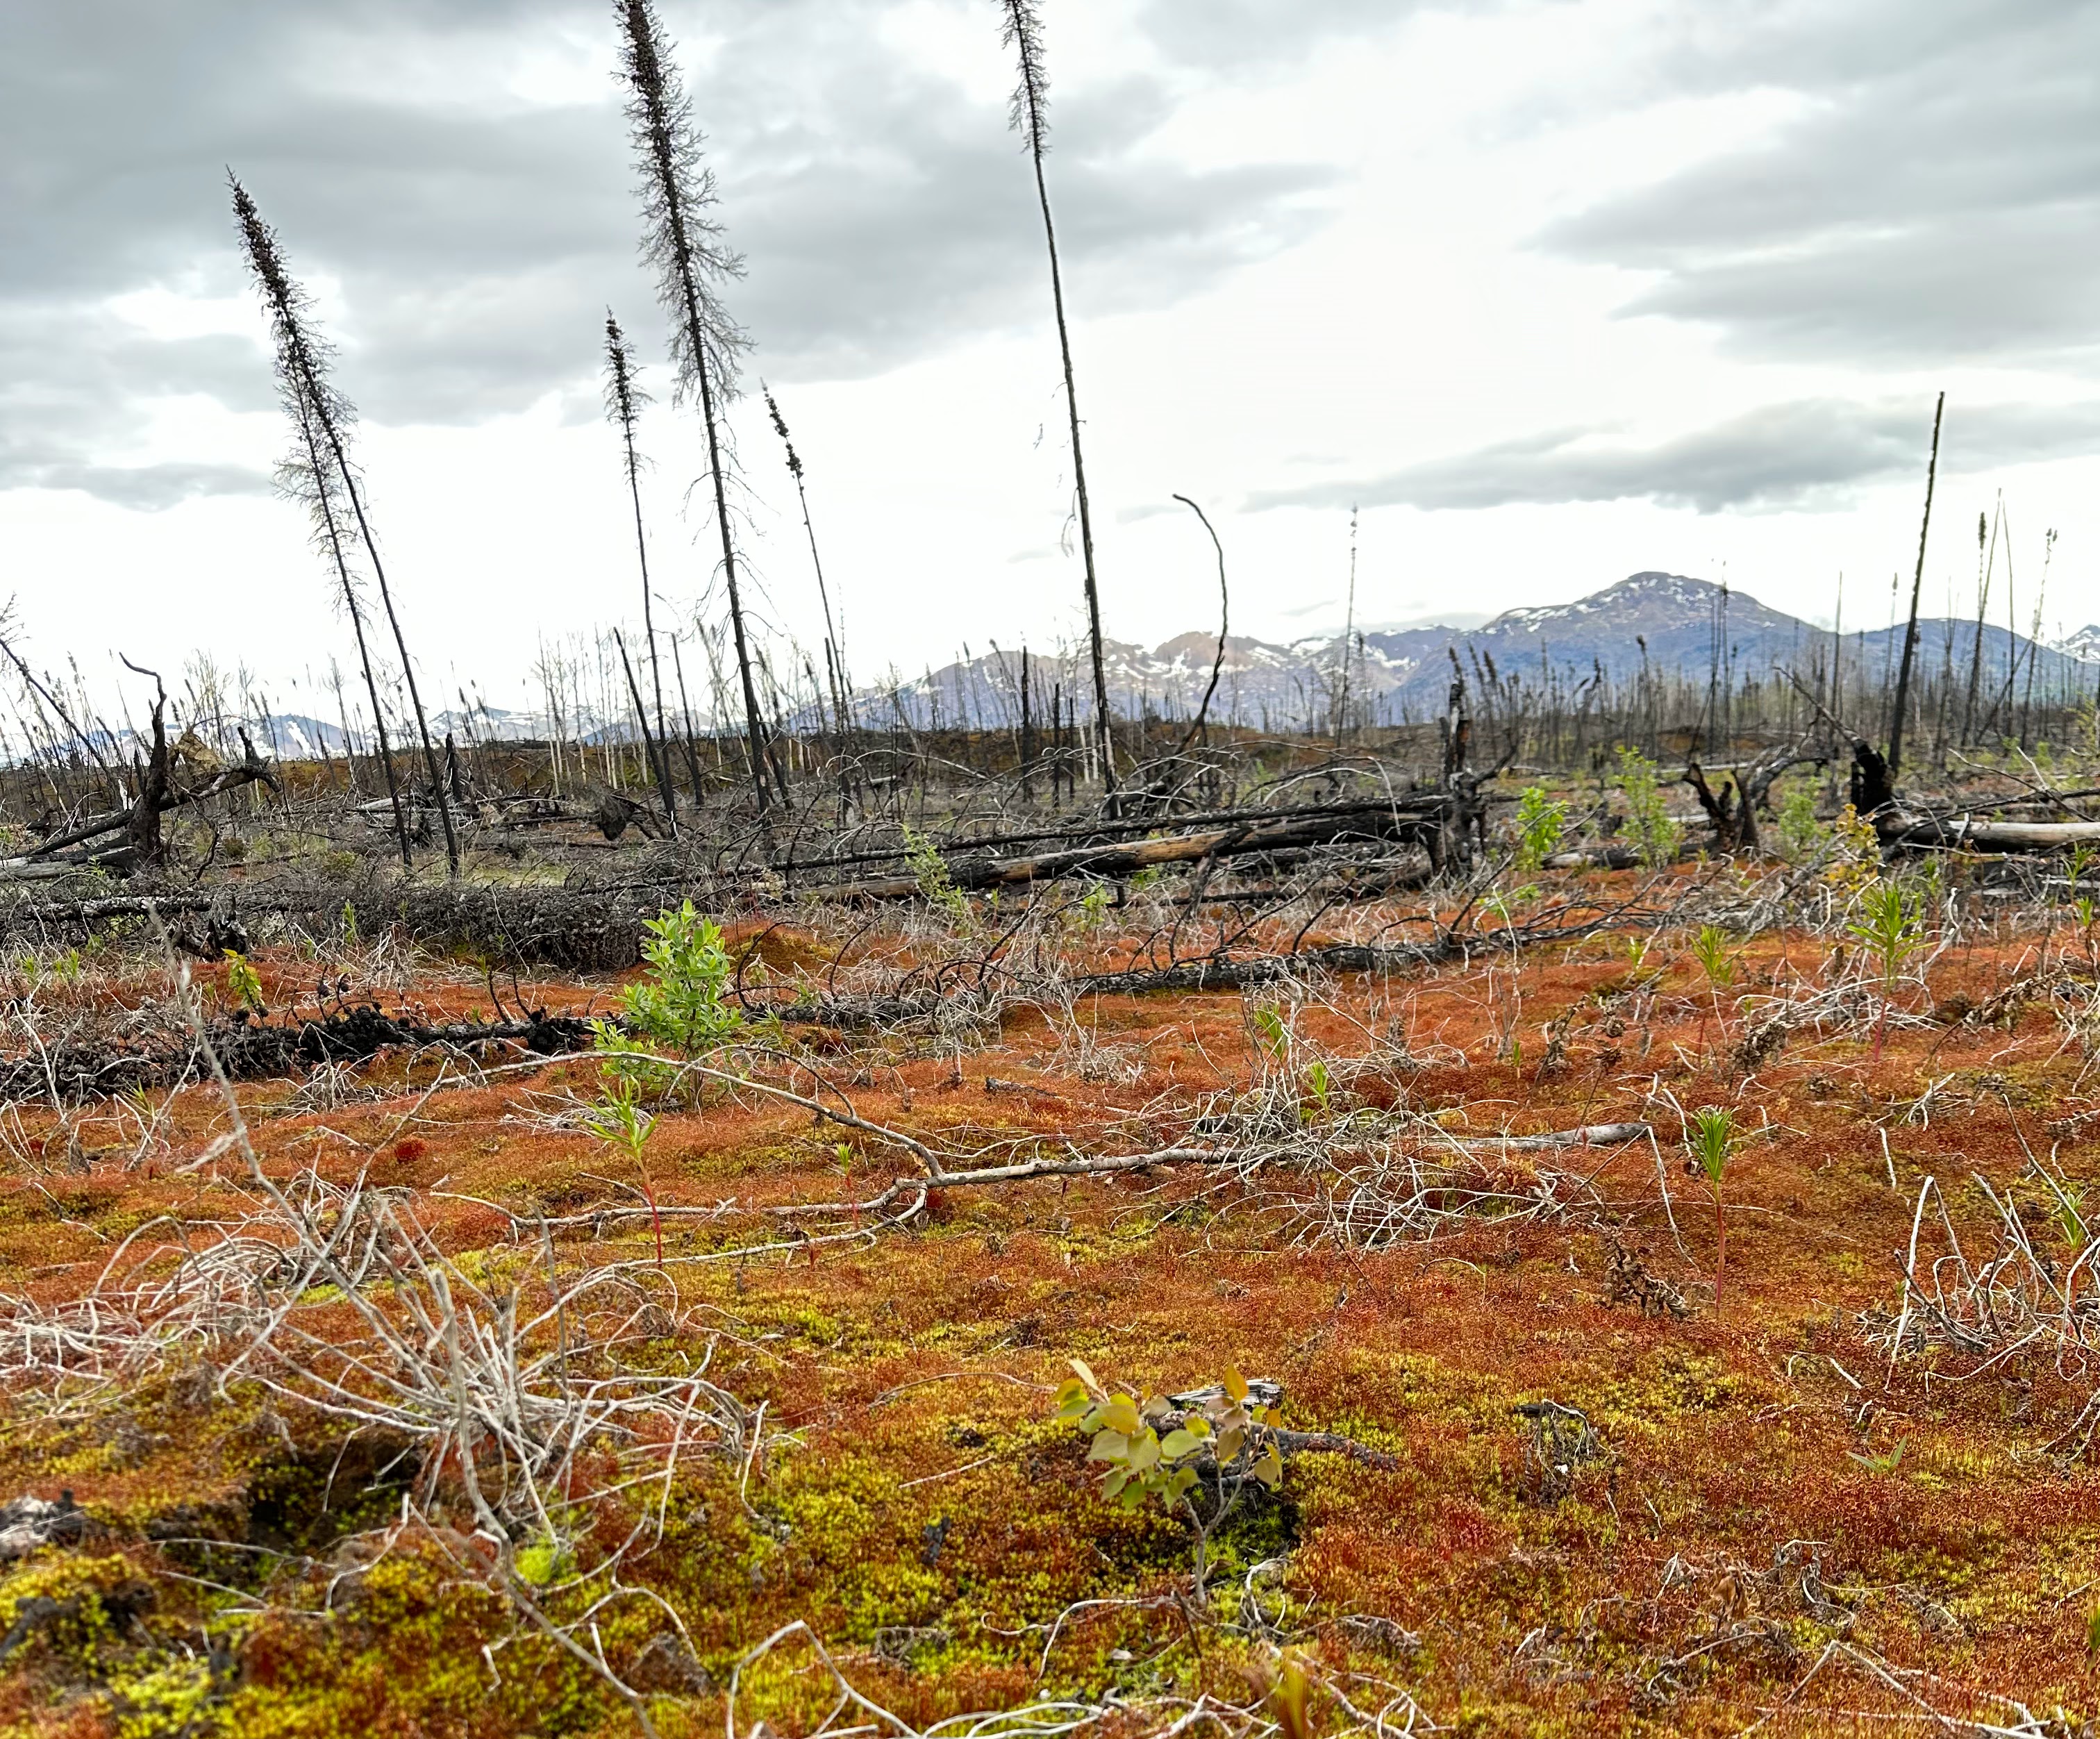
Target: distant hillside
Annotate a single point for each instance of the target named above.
(1672, 625)
(1675, 625)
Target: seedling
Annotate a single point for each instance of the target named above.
(1320, 1079)
(1800, 833)
(1654, 831)
(1710, 946)
(682, 1004)
(1227, 1430)
(244, 982)
(1540, 823)
(1711, 1139)
(929, 869)
(1891, 929)
(618, 1121)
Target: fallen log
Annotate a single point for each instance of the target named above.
(1595, 1135)
(257, 1050)
(1993, 836)
(1268, 834)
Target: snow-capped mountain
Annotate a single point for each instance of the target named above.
(1677, 628)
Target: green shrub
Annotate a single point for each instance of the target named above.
(929, 869)
(1541, 824)
(682, 1003)
(1654, 833)
(1801, 835)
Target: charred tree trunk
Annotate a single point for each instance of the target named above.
(1894, 763)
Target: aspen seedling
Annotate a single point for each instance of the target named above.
(1226, 1429)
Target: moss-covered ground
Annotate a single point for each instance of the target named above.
(1779, 1526)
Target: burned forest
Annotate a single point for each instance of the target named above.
(1536, 1179)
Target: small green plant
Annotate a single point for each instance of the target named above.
(1320, 1080)
(1094, 904)
(1225, 1435)
(1273, 1031)
(1882, 1465)
(1891, 930)
(682, 1004)
(1655, 834)
(618, 1121)
(1540, 823)
(1711, 1139)
(1636, 950)
(2084, 724)
(244, 983)
(929, 869)
(1710, 947)
(2071, 1217)
(1801, 835)
(1855, 862)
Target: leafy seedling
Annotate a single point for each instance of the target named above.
(244, 983)
(1710, 948)
(618, 1121)
(1711, 1139)
(1228, 1430)
(1891, 930)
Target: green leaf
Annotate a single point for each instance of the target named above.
(1109, 1445)
(1179, 1446)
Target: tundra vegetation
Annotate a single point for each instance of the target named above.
(1318, 1249)
(1572, 1215)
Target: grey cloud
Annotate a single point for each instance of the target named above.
(151, 488)
(67, 379)
(1806, 454)
(1239, 33)
(859, 258)
(1937, 198)
(476, 243)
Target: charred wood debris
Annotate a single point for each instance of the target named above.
(1342, 844)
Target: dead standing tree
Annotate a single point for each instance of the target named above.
(1918, 585)
(834, 650)
(685, 247)
(324, 419)
(1031, 118)
(624, 400)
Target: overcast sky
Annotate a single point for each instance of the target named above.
(1555, 289)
